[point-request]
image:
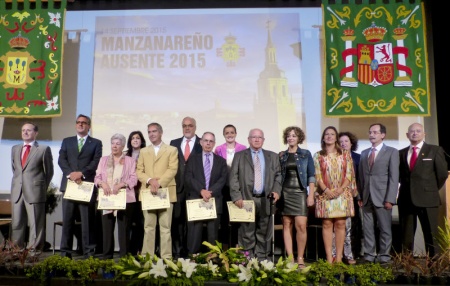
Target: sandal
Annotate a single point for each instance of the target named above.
(301, 262)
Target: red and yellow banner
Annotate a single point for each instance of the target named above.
(376, 61)
(31, 50)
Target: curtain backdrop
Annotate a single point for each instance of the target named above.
(376, 60)
(31, 50)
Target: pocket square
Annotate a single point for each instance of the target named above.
(427, 159)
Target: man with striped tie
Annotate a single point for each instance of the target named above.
(255, 175)
(205, 177)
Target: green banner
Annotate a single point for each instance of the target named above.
(376, 60)
(31, 50)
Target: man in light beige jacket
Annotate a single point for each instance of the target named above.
(156, 168)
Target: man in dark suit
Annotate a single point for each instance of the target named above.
(247, 183)
(378, 185)
(32, 166)
(422, 175)
(206, 175)
(78, 160)
(187, 145)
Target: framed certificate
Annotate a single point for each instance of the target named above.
(200, 210)
(150, 201)
(246, 214)
(112, 202)
(79, 192)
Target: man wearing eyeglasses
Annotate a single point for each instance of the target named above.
(78, 159)
(378, 185)
(187, 145)
(256, 175)
(206, 175)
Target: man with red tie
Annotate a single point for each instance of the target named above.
(423, 171)
(32, 166)
(187, 145)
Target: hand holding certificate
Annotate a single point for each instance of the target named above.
(112, 202)
(200, 210)
(244, 214)
(150, 201)
(79, 192)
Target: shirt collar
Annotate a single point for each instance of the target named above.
(419, 146)
(31, 143)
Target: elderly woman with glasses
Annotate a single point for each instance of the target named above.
(115, 172)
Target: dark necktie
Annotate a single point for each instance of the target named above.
(25, 154)
(413, 159)
(372, 158)
(207, 170)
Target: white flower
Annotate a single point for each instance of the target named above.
(187, 266)
(54, 18)
(268, 265)
(254, 262)
(212, 267)
(159, 269)
(52, 104)
(246, 273)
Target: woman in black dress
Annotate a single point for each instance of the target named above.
(298, 181)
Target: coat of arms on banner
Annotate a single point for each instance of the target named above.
(375, 60)
(31, 59)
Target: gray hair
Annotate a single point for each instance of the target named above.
(120, 137)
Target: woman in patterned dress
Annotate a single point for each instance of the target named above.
(334, 174)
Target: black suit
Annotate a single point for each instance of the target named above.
(419, 194)
(178, 229)
(194, 183)
(85, 161)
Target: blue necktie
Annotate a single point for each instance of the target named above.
(207, 169)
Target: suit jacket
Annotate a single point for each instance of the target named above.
(421, 185)
(163, 166)
(34, 178)
(84, 161)
(242, 176)
(182, 162)
(195, 178)
(221, 150)
(382, 181)
(128, 175)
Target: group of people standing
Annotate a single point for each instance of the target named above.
(345, 188)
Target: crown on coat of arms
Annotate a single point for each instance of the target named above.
(349, 32)
(19, 42)
(374, 33)
(230, 39)
(399, 31)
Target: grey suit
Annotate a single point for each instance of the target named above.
(255, 237)
(29, 193)
(377, 186)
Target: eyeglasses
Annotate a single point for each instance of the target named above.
(256, 137)
(82, 122)
(373, 132)
(208, 141)
(188, 125)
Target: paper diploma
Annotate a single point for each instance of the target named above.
(200, 210)
(246, 214)
(112, 202)
(81, 192)
(150, 201)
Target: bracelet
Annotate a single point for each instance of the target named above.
(325, 190)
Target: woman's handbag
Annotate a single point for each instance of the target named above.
(341, 206)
